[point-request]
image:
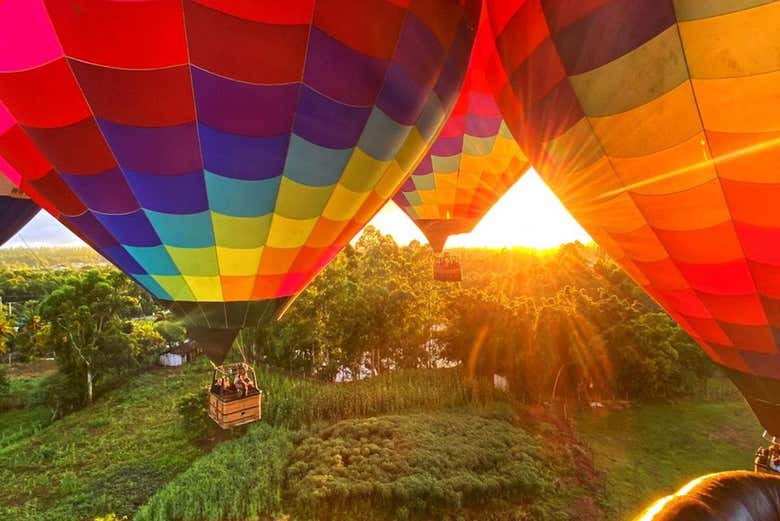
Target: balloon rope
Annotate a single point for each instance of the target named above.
(34, 254)
(240, 345)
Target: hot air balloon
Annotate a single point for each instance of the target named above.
(472, 163)
(735, 496)
(16, 208)
(221, 152)
(657, 124)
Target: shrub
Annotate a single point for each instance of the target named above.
(407, 467)
(5, 385)
(61, 394)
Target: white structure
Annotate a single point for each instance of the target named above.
(500, 383)
(171, 360)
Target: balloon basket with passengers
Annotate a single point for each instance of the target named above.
(446, 268)
(234, 396)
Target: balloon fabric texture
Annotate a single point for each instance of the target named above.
(472, 163)
(16, 155)
(657, 124)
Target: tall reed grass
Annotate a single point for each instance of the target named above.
(293, 403)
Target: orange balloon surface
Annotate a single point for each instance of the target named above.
(657, 123)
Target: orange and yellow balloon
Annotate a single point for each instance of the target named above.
(657, 124)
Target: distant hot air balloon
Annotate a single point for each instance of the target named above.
(657, 124)
(221, 152)
(16, 208)
(472, 163)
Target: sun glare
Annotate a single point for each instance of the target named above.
(529, 215)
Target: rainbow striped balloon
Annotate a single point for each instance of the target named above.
(221, 152)
(472, 163)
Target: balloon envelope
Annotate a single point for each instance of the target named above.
(221, 152)
(16, 209)
(657, 124)
(471, 164)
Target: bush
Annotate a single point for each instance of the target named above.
(407, 467)
(5, 385)
(238, 481)
(61, 394)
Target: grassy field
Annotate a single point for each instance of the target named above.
(113, 456)
(18, 424)
(460, 464)
(652, 450)
(239, 480)
(389, 444)
(107, 458)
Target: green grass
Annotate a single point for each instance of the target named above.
(652, 450)
(461, 464)
(23, 392)
(110, 457)
(17, 424)
(21, 413)
(240, 480)
(407, 445)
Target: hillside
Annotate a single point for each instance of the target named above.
(113, 456)
(107, 458)
(650, 451)
(411, 445)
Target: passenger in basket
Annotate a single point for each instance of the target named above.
(242, 382)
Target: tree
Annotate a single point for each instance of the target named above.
(6, 332)
(89, 328)
(31, 338)
(171, 331)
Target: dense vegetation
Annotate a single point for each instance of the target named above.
(132, 448)
(529, 316)
(112, 456)
(418, 465)
(416, 428)
(473, 453)
(517, 313)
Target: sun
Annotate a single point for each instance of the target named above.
(529, 215)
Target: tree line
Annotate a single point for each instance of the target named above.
(563, 321)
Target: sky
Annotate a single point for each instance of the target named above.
(528, 215)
